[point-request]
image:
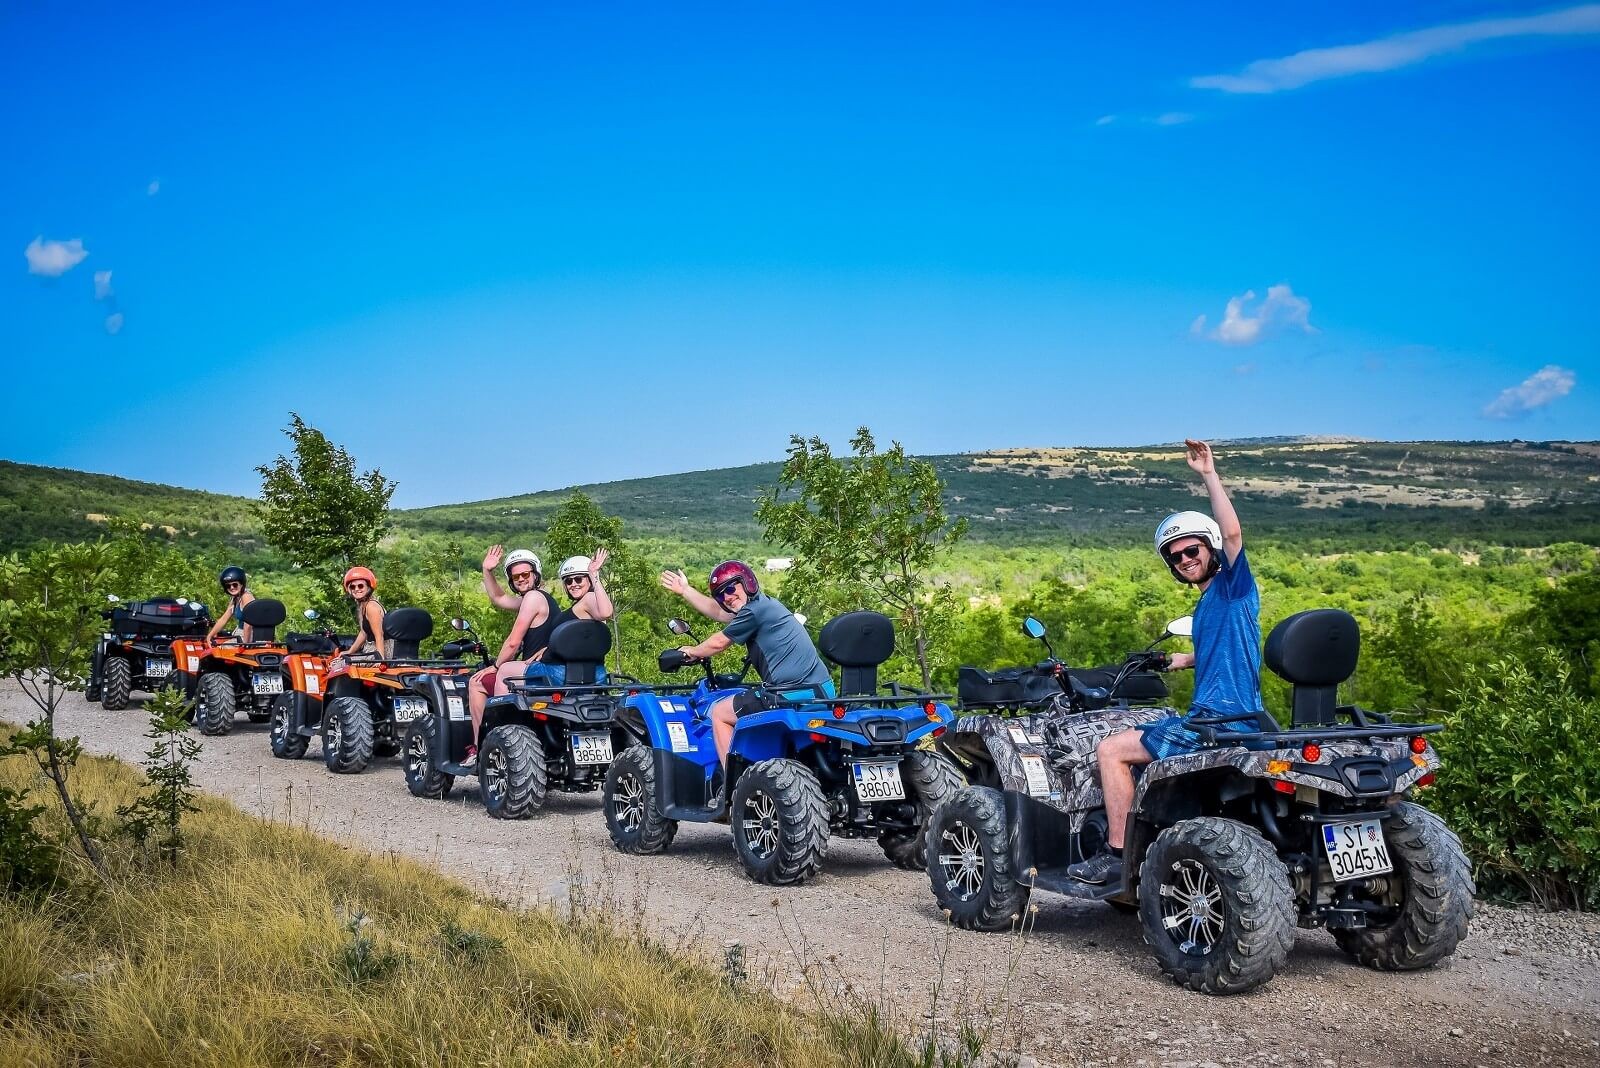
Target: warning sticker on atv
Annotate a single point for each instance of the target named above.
(678, 737)
(457, 711)
(1038, 778)
(1356, 850)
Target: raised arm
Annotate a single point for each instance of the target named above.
(491, 581)
(597, 602)
(678, 583)
(1205, 465)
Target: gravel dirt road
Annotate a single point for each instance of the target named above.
(1079, 988)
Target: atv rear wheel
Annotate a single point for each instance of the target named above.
(780, 822)
(347, 735)
(1430, 891)
(286, 742)
(969, 862)
(423, 777)
(933, 781)
(1216, 905)
(116, 683)
(213, 713)
(633, 811)
(511, 773)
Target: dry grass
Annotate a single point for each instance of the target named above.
(268, 945)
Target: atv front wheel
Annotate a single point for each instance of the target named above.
(214, 712)
(423, 777)
(780, 822)
(633, 812)
(933, 781)
(347, 735)
(286, 742)
(116, 683)
(1216, 905)
(969, 862)
(511, 773)
(1429, 896)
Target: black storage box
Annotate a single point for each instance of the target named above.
(162, 617)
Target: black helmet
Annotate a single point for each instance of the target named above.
(231, 573)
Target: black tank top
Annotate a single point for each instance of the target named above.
(366, 626)
(538, 637)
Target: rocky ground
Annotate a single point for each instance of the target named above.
(1079, 987)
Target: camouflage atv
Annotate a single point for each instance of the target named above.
(1227, 849)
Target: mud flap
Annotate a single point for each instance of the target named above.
(1043, 845)
(682, 787)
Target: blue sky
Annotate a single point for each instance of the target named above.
(493, 251)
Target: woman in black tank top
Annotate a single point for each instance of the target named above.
(362, 585)
(580, 579)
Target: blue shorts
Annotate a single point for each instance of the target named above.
(541, 674)
(1171, 736)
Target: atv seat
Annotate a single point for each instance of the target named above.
(1315, 651)
(858, 642)
(582, 645)
(262, 616)
(308, 644)
(405, 628)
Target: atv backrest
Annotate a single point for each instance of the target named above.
(406, 628)
(858, 642)
(1316, 651)
(582, 645)
(263, 616)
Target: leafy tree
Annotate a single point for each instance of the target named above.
(1566, 618)
(579, 527)
(867, 529)
(317, 510)
(50, 604)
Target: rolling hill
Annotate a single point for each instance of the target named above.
(1370, 493)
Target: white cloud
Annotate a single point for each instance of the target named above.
(102, 285)
(1398, 51)
(113, 323)
(1105, 120)
(1548, 383)
(53, 258)
(153, 188)
(1173, 118)
(1245, 326)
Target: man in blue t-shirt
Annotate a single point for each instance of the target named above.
(1208, 553)
(780, 649)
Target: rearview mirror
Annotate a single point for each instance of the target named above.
(310, 613)
(1032, 628)
(460, 624)
(677, 626)
(1182, 627)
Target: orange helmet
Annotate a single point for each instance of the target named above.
(360, 573)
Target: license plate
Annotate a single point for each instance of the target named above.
(407, 709)
(156, 667)
(1356, 849)
(265, 682)
(591, 748)
(878, 782)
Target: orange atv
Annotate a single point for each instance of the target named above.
(296, 713)
(369, 702)
(229, 675)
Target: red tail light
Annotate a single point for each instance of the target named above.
(937, 731)
(555, 698)
(1311, 753)
(927, 709)
(815, 737)
(1283, 787)
(1419, 745)
(838, 711)
(1426, 780)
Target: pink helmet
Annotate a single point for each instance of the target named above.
(733, 571)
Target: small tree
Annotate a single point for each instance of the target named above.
(865, 530)
(579, 527)
(317, 510)
(50, 603)
(169, 790)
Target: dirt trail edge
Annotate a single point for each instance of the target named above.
(1079, 988)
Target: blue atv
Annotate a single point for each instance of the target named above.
(800, 769)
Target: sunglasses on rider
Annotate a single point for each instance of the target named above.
(235, 585)
(571, 579)
(1188, 552)
(356, 584)
(721, 593)
(518, 576)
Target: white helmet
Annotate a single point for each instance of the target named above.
(521, 556)
(574, 565)
(1188, 525)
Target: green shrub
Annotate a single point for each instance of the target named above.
(1521, 780)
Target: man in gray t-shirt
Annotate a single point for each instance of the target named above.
(780, 649)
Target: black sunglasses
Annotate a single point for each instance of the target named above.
(727, 588)
(1188, 552)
